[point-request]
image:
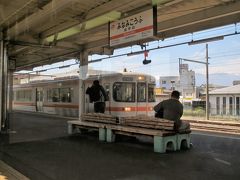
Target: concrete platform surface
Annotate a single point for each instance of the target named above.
(40, 149)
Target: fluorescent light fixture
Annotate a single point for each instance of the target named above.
(160, 2)
(92, 23)
(217, 38)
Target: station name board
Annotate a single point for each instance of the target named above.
(133, 28)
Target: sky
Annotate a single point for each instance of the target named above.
(224, 56)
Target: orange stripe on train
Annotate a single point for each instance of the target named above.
(74, 106)
(129, 109)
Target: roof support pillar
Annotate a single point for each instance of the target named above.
(10, 90)
(82, 76)
(3, 83)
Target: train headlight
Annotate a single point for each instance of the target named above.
(141, 78)
(127, 109)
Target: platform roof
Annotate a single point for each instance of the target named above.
(40, 32)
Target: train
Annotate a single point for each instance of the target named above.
(130, 94)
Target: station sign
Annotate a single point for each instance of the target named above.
(133, 28)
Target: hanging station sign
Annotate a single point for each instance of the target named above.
(133, 28)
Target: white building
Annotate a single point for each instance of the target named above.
(169, 82)
(184, 83)
(225, 101)
(187, 82)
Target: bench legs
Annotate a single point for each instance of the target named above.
(70, 128)
(183, 140)
(110, 135)
(106, 135)
(102, 131)
(162, 143)
(102, 134)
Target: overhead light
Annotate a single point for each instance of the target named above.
(160, 2)
(145, 61)
(90, 24)
(217, 38)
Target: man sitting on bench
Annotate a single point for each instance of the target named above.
(172, 109)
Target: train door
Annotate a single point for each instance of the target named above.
(106, 86)
(142, 104)
(39, 99)
(151, 98)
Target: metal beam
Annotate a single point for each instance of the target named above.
(211, 17)
(14, 14)
(37, 18)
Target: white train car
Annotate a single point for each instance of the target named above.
(129, 94)
(58, 96)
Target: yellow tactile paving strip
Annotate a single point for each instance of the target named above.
(8, 173)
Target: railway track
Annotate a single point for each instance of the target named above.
(215, 126)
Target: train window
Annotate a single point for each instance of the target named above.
(151, 95)
(24, 95)
(53, 95)
(141, 92)
(65, 95)
(60, 95)
(124, 92)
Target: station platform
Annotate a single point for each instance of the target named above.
(39, 147)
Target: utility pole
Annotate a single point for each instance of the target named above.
(207, 73)
(207, 85)
(207, 79)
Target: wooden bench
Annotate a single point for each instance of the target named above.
(162, 131)
(73, 127)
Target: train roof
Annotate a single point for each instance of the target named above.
(89, 77)
(117, 74)
(47, 81)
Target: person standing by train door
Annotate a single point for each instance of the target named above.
(98, 96)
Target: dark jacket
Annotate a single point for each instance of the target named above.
(172, 109)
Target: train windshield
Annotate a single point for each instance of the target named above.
(124, 92)
(151, 95)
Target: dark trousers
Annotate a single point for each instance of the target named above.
(99, 107)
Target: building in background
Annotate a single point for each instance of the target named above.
(225, 101)
(162, 94)
(169, 82)
(236, 82)
(184, 83)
